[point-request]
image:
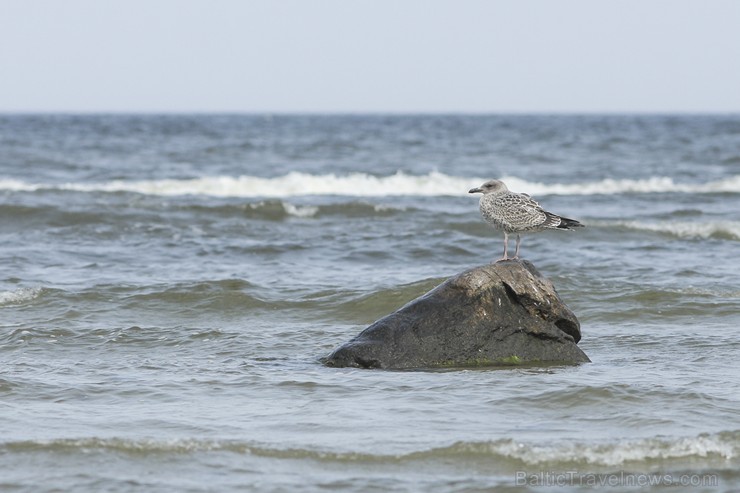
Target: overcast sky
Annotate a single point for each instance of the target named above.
(370, 55)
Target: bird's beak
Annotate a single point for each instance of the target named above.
(474, 190)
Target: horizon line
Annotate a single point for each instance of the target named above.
(375, 112)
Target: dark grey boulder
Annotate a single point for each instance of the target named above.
(498, 314)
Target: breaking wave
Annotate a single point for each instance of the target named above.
(367, 185)
(719, 448)
(722, 446)
(18, 296)
(725, 230)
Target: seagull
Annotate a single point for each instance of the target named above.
(517, 213)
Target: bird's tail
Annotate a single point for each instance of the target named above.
(569, 224)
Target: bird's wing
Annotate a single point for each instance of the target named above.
(521, 212)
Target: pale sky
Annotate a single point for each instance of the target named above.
(370, 56)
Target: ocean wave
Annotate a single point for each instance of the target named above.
(220, 296)
(720, 448)
(725, 230)
(723, 446)
(364, 307)
(291, 184)
(18, 296)
(273, 209)
(656, 184)
(367, 185)
(277, 210)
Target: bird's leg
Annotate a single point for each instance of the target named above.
(518, 242)
(506, 246)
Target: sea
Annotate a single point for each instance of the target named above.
(170, 283)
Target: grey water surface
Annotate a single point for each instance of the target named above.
(169, 282)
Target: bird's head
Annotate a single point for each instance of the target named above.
(491, 186)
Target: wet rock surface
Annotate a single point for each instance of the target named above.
(498, 314)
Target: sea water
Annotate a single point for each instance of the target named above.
(169, 283)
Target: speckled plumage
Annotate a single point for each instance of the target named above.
(517, 213)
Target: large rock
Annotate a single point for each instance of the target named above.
(498, 314)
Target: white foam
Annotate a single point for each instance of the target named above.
(656, 184)
(614, 454)
(19, 186)
(300, 211)
(366, 185)
(17, 296)
(685, 229)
